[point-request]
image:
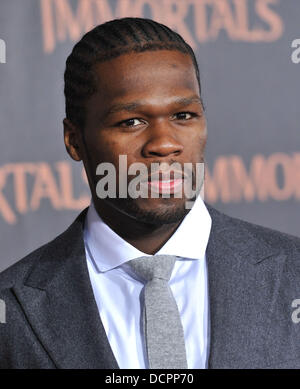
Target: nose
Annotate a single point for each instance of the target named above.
(162, 142)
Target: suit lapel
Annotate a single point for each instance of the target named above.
(59, 304)
(244, 277)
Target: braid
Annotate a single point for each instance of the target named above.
(108, 41)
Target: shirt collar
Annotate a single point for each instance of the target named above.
(108, 250)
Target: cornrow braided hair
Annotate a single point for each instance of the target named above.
(108, 41)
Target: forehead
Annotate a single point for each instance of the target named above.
(144, 74)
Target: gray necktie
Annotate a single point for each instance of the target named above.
(161, 320)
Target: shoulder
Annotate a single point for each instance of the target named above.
(17, 273)
(241, 230)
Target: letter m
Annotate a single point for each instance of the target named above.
(73, 24)
(2, 311)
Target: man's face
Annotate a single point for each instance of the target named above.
(147, 107)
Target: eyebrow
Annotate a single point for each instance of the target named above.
(130, 107)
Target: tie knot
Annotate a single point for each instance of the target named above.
(156, 266)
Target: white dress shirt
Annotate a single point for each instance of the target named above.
(117, 290)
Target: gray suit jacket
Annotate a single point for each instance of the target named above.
(52, 319)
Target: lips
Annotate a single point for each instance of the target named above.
(166, 186)
(165, 182)
(163, 175)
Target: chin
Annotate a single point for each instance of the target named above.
(163, 211)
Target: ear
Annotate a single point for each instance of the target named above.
(72, 138)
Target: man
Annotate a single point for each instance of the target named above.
(132, 89)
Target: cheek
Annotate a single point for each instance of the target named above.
(202, 135)
(105, 149)
(196, 140)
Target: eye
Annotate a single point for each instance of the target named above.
(183, 115)
(134, 122)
